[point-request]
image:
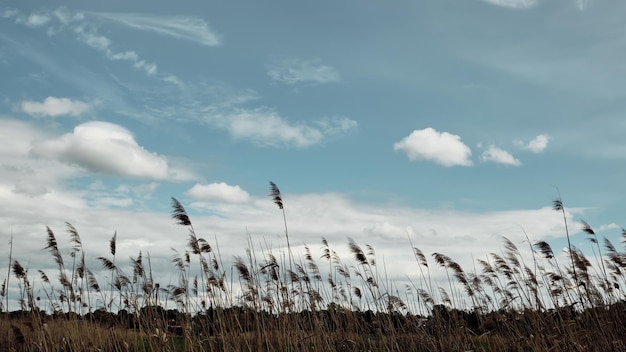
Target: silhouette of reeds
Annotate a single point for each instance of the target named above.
(316, 303)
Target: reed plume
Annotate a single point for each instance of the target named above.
(278, 200)
(558, 206)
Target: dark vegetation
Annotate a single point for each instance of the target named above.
(518, 301)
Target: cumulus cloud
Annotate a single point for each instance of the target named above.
(108, 148)
(220, 192)
(16, 137)
(52, 107)
(537, 145)
(294, 71)
(180, 27)
(515, 4)
(499, 156)
(442, 148)
(264, 127)
(24, 177)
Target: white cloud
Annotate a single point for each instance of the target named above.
(16, 137)
(133, 57)
(385, 228)
(30, 189)
(180, 27)
(89, 36)
(440, 147)
(150, 68)
(37, 20)
(33, 20)
(111, 202)
(96, 41)
(9, 13)
(65, 16)
(336, 125)
(537, 145)
(52, 106)
(266, 128)
(611, 226)
(220, 192)
(500, 156)
(63, 19)
(175, 81)
(126, 55)
(294, 71)
(23, 176)
(145, 190)
(105, 147)
(515, 4)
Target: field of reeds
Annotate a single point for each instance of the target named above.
(522, 299)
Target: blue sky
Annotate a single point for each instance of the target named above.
(450, 122)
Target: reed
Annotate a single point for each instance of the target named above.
(268, 300)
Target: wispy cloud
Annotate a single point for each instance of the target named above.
(292, 71)
(220, 192)
(499, 156)
(107, 148)
(536, 145)
(336, 125)
(440, 147)
(52, 107)
(9, 13)
(515, 4)
(37, 20)
(133, 57)
(64, 20)
(145, 190)
(110, 92)
(266, 128)
(89, 35)
(180, 27)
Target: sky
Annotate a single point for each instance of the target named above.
(447, 123)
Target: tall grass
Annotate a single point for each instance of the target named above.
(270, 301)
